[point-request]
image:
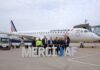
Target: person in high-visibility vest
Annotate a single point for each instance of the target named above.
(39, 43)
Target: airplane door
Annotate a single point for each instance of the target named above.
(77, 34)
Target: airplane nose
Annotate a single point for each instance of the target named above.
(99, 38)
(96, 37)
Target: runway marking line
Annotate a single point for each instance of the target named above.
(73, 59)
(85, 56)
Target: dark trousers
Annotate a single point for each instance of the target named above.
(57, 50)
(65, 46)
(45, 45)
(51, 50)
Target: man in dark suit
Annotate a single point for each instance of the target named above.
(56, 44)
(50, 44)
(61, 42)
(44, 41)
(66, 42)
(34, 42)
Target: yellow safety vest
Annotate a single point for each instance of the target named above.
(38, 43)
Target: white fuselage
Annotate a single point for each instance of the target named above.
(76, 34)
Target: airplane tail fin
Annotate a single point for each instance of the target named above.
(13, 28)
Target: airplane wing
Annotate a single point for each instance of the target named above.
(18, 35)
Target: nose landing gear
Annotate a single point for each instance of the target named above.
(81, 45)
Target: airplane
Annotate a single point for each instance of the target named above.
(75, 34)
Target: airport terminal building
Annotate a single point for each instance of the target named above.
(96, 29)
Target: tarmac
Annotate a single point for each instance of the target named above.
(83, 59)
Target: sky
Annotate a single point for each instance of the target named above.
(48, 14)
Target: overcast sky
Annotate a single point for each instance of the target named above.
(48, 14)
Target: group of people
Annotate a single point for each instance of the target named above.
(56, 42)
